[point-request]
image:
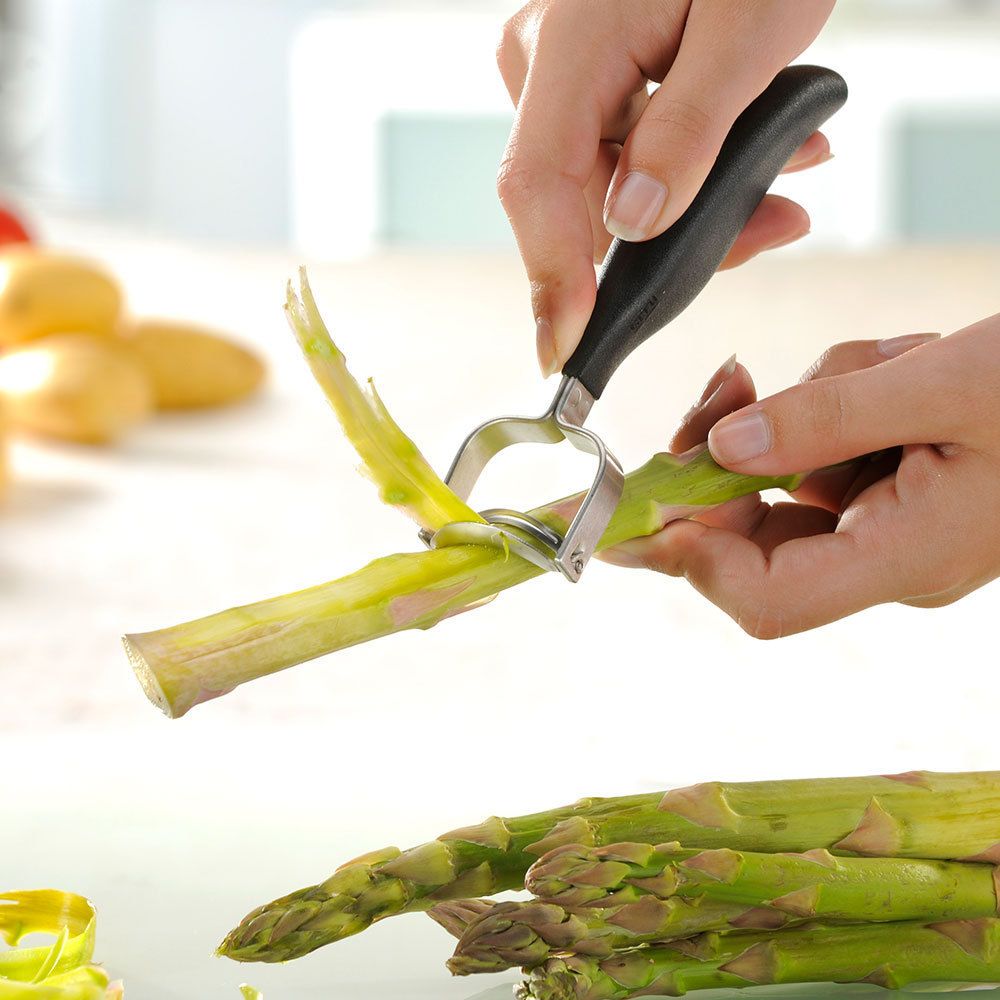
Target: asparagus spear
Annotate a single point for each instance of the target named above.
(814, 884)
(636, 893)
(918, 814)
(185, 665)
(528, 934)
(888, 955)
(182, 666)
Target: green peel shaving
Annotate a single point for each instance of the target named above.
(62, 970)
(389, 458)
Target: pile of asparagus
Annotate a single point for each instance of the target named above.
(888, 880)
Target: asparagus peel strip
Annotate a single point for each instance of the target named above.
(920, 815)
(888, 955)
(62, 970)
(811, 885)
(187, 664)
(404, 478)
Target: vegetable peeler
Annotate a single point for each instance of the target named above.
(641, 288)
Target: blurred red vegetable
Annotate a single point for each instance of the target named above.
(12, 228)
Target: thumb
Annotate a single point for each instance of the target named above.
(907, 400)
(668, 155)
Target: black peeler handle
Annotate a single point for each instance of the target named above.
(645, 285)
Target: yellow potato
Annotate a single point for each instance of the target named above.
(76, 386)
(4, 466)
(191, 367)
(43, 293)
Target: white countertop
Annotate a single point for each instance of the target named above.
(175, 829)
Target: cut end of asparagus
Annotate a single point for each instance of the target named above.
(169, 685)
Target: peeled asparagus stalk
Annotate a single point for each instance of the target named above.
(889, 955)
(918, 814)
(188, 664)
(182, 666)
(811, 885)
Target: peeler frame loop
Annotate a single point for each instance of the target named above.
(523, 534)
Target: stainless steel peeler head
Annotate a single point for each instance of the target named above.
(525, 535)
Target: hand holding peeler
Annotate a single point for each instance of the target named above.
(642, 287)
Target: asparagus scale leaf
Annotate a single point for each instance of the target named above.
(917, 814)
(187, 664)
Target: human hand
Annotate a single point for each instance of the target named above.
(577, 71)
(916, 521)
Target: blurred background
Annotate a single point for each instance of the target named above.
(198, 151)
(336, 127)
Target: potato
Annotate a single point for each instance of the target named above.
(191, 367)
(43, 293)
(76, 386)
(4, 465)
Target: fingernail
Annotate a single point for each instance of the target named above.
(785, 241)
(814, 161)
(545, 344)
(722, 374)
(620, 555)
(892, 347)
(634, 206)
(740, 438)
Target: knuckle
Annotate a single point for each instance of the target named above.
(509, 44)
(949, 575)
(766, 626)
(517, 184)
(830, 361)
(761, 619)
(828, 410)
(932, 602)
(685, 129)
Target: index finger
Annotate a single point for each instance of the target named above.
(565, 108)
(803, 584)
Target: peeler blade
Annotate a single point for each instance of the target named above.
(526, 536)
